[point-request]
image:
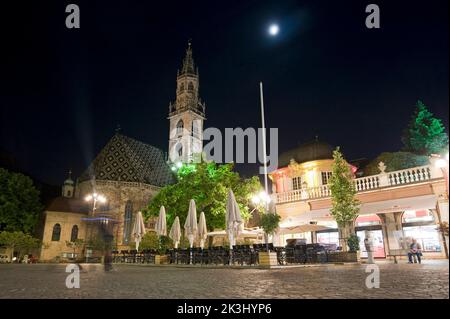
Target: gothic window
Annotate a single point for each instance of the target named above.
(180, 126)
(191, 86)
(74, 233)
(182, 87)
(56, 234)
(69, 193)
(180, 151)
(127, 222)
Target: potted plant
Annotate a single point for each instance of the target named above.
(269, 223)
(353, 248)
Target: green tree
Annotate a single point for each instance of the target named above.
(18, 241)
(425, 134)
(20, 205)
(208, 185)
(269, 222)
(395, 161)
(344, 205)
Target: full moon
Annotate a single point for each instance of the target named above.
(274, 29)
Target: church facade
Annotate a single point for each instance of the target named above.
(127, 173)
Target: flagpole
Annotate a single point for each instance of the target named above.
(264, 142)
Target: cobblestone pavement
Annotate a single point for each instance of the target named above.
(429, 280)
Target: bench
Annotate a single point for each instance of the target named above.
(397, 252)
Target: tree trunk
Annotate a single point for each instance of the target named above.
(345, 231)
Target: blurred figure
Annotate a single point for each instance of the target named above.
(415, 250)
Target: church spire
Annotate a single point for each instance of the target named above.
(188, 61)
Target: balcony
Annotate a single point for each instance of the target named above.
(364, 184)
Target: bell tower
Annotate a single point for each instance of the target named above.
(186, 114)
(68, 186)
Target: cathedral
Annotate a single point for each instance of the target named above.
(125, 175)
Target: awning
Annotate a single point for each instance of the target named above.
(402, 204)
(301, 229)
(244, 233)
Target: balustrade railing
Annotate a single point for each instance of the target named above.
(402, 177)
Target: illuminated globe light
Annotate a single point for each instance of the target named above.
(101, 199)
(274, 29)
(179, 164)
(173, 168)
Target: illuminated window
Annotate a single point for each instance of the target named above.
(325, 177)
(420, 225)
(296, 182)
(56, 234)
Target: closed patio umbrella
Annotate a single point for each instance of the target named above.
(161, 225)
(233, 219)
(202, 230)
(138, 229)
(175, 232)
(190, 226)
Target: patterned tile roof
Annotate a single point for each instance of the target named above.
(127, 160)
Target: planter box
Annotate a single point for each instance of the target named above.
(343, 256)
(268, 259)
(161, 259)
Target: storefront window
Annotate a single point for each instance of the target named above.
(426, 236)
(377, 242)
(328, 238)
(372, 224)
(420, 225)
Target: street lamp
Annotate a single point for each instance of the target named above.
(94, 197)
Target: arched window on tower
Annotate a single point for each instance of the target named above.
(180, 150)
(128, 216)
(180, 126)
(74, 233)
(182, 87)
(56, 234)
(191, 86)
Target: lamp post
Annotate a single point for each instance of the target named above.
(94, 198)
(263, 127)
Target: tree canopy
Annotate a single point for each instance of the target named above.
(345, 206)
(395, 161)
(425, 134)
(20, 204)
(208, 184)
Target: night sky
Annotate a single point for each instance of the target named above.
(64, 91)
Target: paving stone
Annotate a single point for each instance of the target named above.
(428, 280)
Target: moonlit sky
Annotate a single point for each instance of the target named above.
(63, 92)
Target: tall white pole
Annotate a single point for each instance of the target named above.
(264, 141)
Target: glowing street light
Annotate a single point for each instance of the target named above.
(94, 197)
(261, 197)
